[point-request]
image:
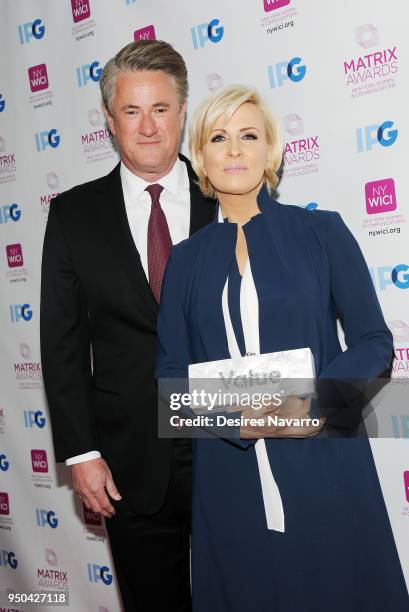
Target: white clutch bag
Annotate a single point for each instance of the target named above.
(227, 384)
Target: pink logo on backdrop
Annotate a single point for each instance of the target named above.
(39, 460)
(92, 518)
(293, 124)
(146, 33)
(406, 481)
(367, 36)
(14, 255)
(399, 330)
(4, 503)
(38, 77)
(214, 82)
(25, 351)
(51, 557)
(271, 5)
(80, 10)
(380, 196)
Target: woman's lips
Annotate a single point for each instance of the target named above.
(235, 169)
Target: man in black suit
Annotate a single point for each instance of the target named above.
(105, 250)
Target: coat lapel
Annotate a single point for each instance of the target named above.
(218, 252)
(115, 227)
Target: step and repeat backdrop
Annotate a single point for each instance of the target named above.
(335, 73)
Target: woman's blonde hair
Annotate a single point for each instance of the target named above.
(224, 104)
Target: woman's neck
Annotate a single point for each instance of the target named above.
(239, 208)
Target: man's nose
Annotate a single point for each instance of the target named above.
(147, 127)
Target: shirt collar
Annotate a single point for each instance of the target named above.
(174, 182)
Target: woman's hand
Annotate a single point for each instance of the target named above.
(291, 408)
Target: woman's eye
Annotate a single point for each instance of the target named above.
(217, 138)
(250, 136)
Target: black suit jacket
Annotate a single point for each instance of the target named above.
(97, 307)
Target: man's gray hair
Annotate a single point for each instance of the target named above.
(149, 55)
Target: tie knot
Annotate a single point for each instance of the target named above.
(154, 191)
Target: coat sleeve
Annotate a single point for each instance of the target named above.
(344, 380)
(65, 346)
(367, 337)
(173, 351)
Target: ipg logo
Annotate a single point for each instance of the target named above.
(9, 212)
(293, 71)
(47, 139)
(8, 559)
(46, 518)
(4, 463)
(386, 276)
(205, 32)
(2, 104)
(29, 30)
(371, 135)
(271, 5)
(99, 573)
(88, 73)
(34, 418)
(20, 311)
(80, 10)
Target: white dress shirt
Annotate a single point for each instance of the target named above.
(175, 203)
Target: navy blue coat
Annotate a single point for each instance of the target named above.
(337, 552)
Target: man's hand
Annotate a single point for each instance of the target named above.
(292, 408)
(91, 481)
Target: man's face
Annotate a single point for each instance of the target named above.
(147, 121)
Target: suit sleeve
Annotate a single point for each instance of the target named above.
(65, 346)
(173, 352)
(369, 341)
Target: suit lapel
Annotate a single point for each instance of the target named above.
(115, 227)
(114, 224)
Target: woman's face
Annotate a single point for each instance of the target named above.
(235, 156)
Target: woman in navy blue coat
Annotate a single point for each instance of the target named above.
(337, 552)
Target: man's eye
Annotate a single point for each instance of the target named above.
(161, 110)
(217, 138)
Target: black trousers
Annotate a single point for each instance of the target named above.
(152, 553)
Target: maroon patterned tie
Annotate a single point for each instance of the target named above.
(159, 241)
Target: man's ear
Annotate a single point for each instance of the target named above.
(109, 120)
